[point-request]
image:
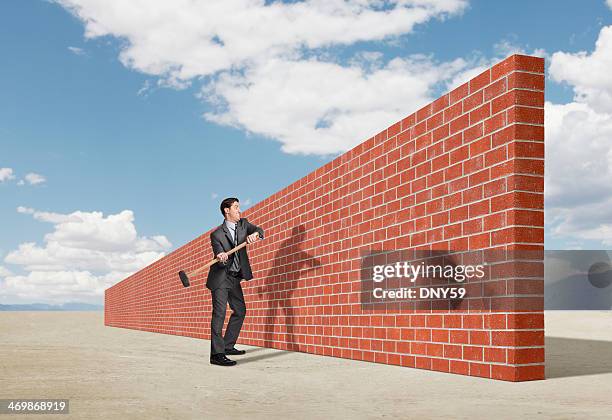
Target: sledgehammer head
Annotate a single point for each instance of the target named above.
(184, 278)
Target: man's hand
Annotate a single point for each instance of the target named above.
(222, 257)
(253, 237)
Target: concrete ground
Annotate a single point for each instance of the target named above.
(126, 374)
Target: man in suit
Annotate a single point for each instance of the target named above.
(224, 280)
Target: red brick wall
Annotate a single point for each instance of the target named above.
(464, 172)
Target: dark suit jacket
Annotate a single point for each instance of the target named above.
(221, 241)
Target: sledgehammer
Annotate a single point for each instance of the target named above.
(185, 277)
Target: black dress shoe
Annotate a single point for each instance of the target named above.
(234, 351)
(221, 360)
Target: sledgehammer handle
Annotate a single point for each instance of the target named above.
(205, 266)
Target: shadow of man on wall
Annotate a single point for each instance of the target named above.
(289, 265)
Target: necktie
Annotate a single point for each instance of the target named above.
(236, 262)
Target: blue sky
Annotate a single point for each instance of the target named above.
(105, 124)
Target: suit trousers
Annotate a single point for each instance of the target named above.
(220, 298)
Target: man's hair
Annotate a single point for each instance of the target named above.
(227, 203)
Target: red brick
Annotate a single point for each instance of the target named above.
(473, 321)
(459, 154)
(394, 129)
(440, 103)
(529, 166)
(452, 321)
(473, 133)
(502, 202)
(517, 62)
(495, 89)
(423, 363)
(473, 101)
(495, 156)
(435, 350)
(440, 336)
(459, 93)
(480, 113)
(525, 217)
(480, 146)
(526, 321)
(528, 149)
(528, 98)
(494, 221)
(459, 367)
(459, 337)
(525, 115)
(495, 187)
(435, 121)
(423, 113)
(408, 121)
(502, 102)
(472, 226)
(480, 177)
(453, 111)
(494, 354)
(472, 353)
(459, 124)
(440, 365)
(480, 369)
(495, 123)
(526, 355)
(527, 200)
(529, 132)
(517, 338)
(479, 208)
(503, 136)
(440, 133)
(518, 373)
(472, 194)
(480, 337)
(480, 81)
(520, 80)
(453, 351)
(529, 63)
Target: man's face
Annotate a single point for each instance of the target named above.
(234, 212)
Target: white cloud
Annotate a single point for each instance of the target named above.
(479, 63)
(35, 179)
(86, 253)
(31, 178)
(76, 50)
(145, 89)
(318, 107)
(588, 73)
(6, 174)
(258, 60)
(609, 3)
(184, 39)
(5, 272)
(578, 192)
(58, 286)
(25, 210)
(43, 216)
(507, 47)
